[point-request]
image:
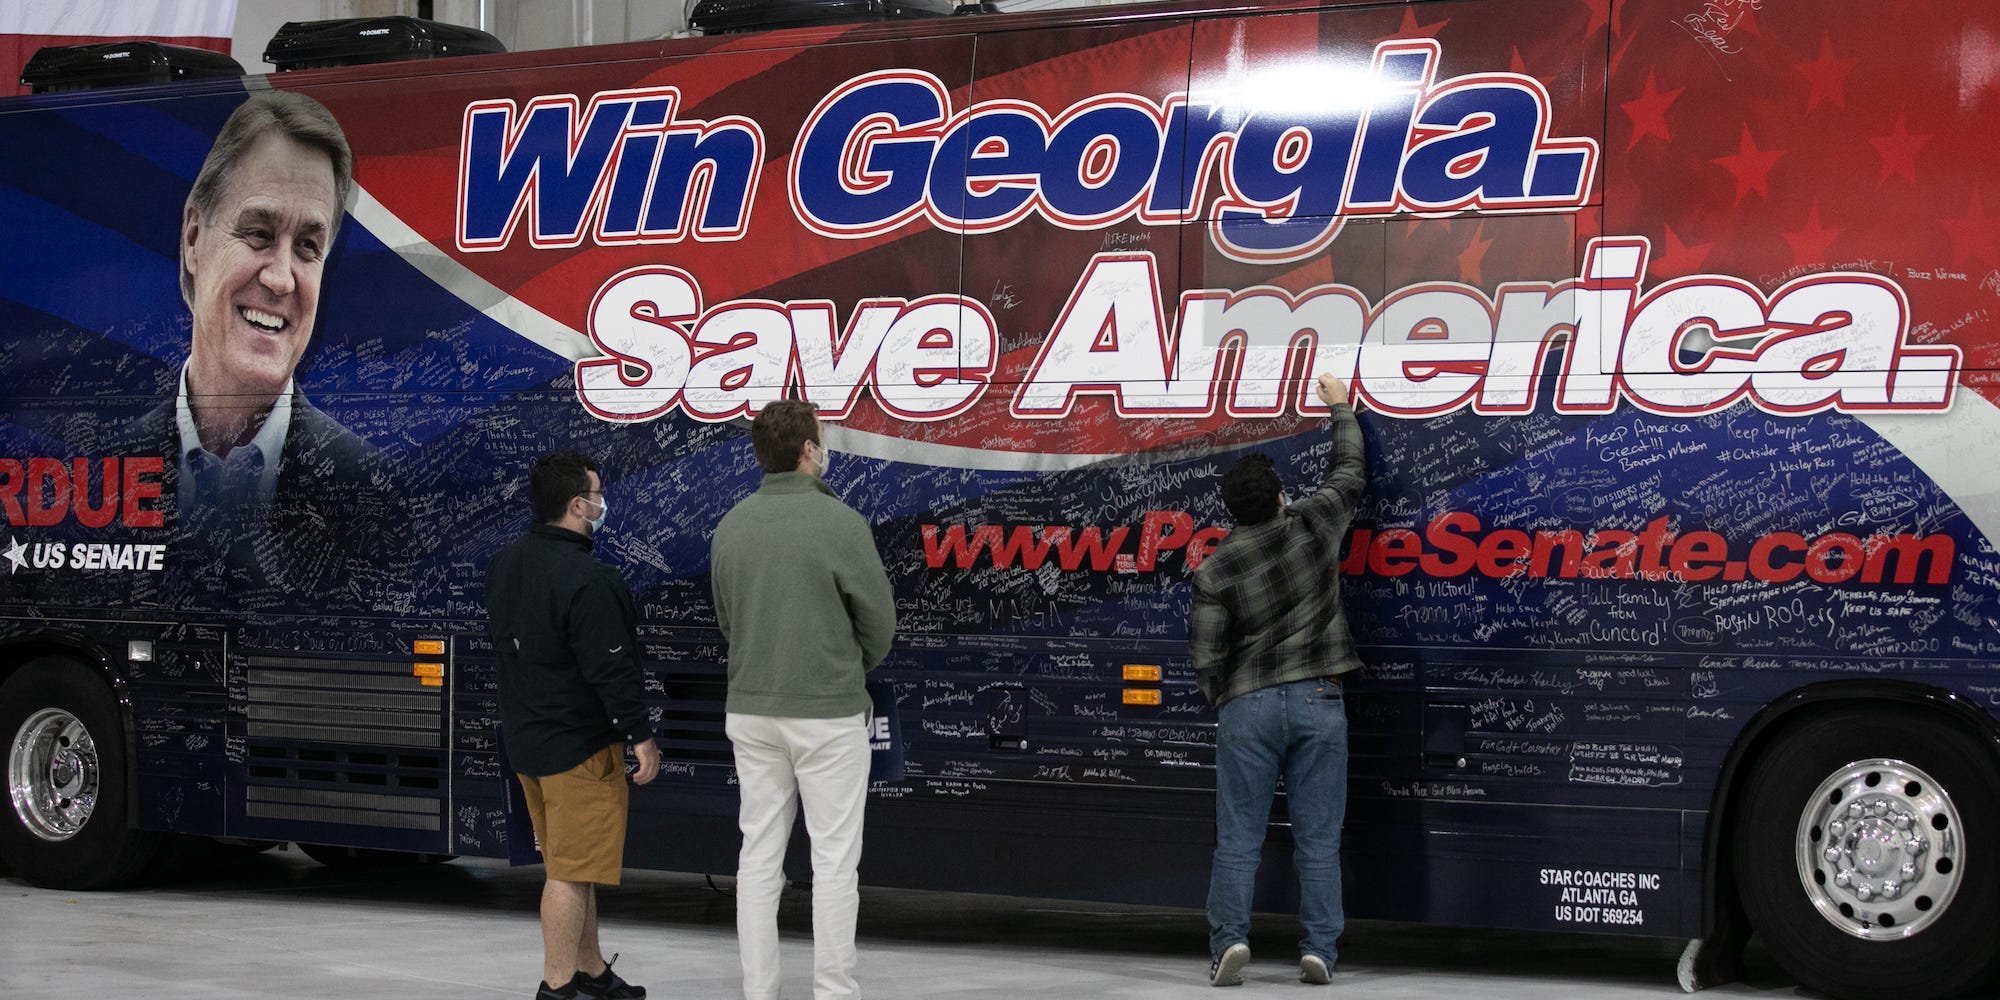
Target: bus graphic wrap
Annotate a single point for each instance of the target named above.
(1672, 334)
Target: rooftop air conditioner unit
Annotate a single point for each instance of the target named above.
(360, 41)
(59, 68)
(714, 17)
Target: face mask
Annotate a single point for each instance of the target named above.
(825, 461)
(603, 511)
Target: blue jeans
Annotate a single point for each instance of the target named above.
(1298, 730)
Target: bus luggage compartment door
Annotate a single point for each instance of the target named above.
(339, 748)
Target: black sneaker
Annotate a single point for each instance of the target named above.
(547, 992)
(606, 985)
(1227, 969)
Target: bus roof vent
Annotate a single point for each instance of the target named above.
(58, 68)
(358, 41)
(715, 17)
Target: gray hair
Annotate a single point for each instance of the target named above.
(294, 115)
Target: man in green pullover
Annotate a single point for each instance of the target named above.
(806, 608)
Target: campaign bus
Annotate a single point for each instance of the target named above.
(1671, 326)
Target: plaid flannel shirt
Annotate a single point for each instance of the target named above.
(1267, 601)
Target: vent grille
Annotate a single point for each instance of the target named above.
(326, 805)
(691, 726)
(343, 701)
(355, 742)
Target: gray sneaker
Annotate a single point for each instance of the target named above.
(1227, 969)
(1312, 969)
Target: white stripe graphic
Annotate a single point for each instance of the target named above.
(1940, 444)
(1950, 448)
(531, 323)
(565, 342)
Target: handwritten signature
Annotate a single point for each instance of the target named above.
(1712, 24)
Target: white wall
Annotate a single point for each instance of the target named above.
(554, 24)
(257, 22)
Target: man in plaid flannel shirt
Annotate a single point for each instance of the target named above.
(1270, 644)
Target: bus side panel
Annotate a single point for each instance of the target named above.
(338, 737)
(1673, 386)
(1491, 783)
(179, 711)
(1797, 153)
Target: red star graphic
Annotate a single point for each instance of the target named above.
(1748, 24)
(1678, 258)
(1516, 66)
(1411, 29)
(1828, 76)
(1600, 16)
(1809, 244)
(1899, 151)
(1469, 258)
(1752, 167)
(1314, 271)
(1618, 30)
(1973, 235)
(1649, 112)
(1427, 229)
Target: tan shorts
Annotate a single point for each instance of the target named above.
(579, 818)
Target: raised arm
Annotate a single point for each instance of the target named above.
(1347, 467)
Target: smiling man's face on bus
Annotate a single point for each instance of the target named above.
(255, 261)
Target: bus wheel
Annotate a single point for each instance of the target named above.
(1866, 854)
(65, 823)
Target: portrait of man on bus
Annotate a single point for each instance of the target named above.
(265, 490)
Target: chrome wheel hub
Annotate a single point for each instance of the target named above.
(1879, 848)
(52, 774)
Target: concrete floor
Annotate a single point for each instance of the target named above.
(280, 925)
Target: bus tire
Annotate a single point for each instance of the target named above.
(66, 821)
(1866, 854)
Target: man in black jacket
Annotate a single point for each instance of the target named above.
(571, 694)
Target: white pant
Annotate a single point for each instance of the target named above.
(780, 761)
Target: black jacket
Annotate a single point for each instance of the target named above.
(562, 626)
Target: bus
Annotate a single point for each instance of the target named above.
(1671, 324)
